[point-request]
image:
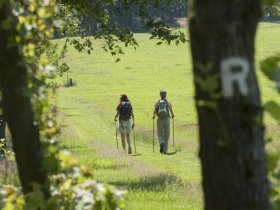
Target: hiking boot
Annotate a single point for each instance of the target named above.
(129, 150)
(161, 147)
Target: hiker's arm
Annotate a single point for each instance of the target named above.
(170, 108)
(118, 114)
(132, 116)
(155, 111)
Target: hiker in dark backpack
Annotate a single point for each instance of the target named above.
(162, 110)
(125, 113)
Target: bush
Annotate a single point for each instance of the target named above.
(72, 188)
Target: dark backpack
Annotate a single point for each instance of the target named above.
(125, 110)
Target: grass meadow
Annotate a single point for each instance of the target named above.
(86, 112)
(153, 181)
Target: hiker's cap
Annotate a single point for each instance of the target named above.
(162, 92)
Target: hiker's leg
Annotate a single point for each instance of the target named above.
(127, 134)
(123, 140)
(128, 139)
(127, 126)
(122, 131)
(160, 132)
(166, 133)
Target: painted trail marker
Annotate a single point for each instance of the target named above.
(234, 70)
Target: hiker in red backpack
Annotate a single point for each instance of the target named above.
(162, 110)
(125, 113)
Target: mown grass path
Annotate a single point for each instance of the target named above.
(153, 180)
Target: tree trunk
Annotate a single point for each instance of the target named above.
(18, 109)
(2, 122)
(2, 128)
(230, 126)
(2, 133)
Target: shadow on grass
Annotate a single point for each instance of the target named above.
(72, 115)
(155, 183)
(109, 165)
(137, 154)
(71, 147)
(271, 20)
(171, 153)
(64, 108)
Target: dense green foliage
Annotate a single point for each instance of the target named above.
(271, 68)
(100, 19)
(72, 188)
(271, 9)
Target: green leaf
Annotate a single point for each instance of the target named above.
(206, 69)
(271, 67)
(273, 159)
(8, 206)
(210, 84)
(273, 109)
(207, 103)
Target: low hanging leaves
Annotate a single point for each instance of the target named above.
(273, 109)
(271, 68)
(71, 186)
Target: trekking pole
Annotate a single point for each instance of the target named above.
(153, 135)
(134, 141)
(116, 134)
(173, 130)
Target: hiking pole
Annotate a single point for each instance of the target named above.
(134, 141)
(153, 135)
(173, 129)
(116, 134)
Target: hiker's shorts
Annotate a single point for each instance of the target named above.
(125, 126)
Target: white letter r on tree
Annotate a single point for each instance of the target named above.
(234, 70)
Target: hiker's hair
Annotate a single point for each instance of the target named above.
(124, 98)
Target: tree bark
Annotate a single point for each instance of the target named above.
(18, 108)
(2, 133)
(2, 122)
(231, 134)
(2, 128)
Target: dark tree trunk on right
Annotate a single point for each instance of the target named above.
(231, 131)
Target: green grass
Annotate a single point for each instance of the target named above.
(153, 181)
